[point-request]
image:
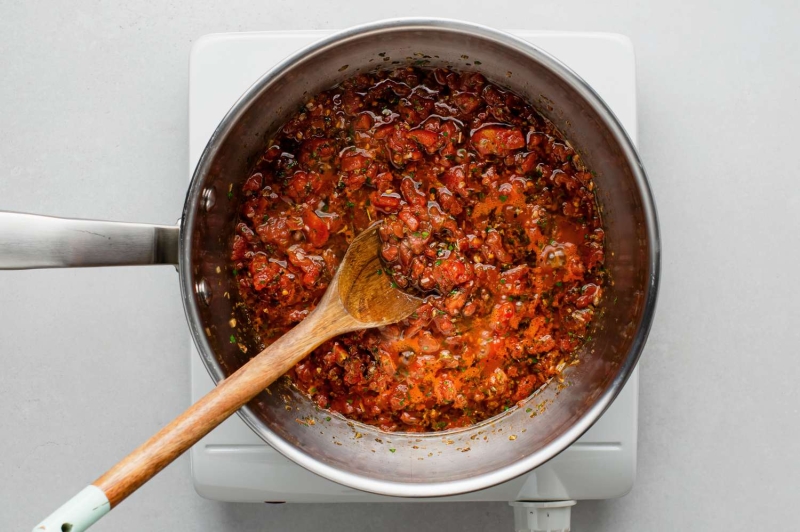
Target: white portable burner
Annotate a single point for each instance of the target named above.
(233, 464)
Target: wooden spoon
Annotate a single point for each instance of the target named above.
(358, 297)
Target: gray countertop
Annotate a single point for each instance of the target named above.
(93, 106)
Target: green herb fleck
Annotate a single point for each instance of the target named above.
(559, 284)
(232, 339)
(235, 271)
(425, 234)
(438, 262)
(392, 450)
(503, 198)
(350, 204)
(379, 272)
(328, 418)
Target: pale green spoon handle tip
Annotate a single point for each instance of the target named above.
(79, 513)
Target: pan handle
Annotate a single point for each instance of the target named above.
(33, 241)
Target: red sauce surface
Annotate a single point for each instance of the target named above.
(488, 213)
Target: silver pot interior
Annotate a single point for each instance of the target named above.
(503, 447)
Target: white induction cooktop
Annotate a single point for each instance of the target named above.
(233, 464)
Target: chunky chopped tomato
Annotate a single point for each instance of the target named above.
(316, 231)
(428, 139)
(253, 182)
(303, 185)
(313, 152)
(467, 103)
(497, 140)
(387, 202)
(239, 248)
(487, 214)
(364, 122)
(352, 161)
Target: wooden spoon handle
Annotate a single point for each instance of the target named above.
(327, 321)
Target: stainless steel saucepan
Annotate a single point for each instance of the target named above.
(420, 465)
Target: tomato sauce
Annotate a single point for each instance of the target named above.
(488, 213)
